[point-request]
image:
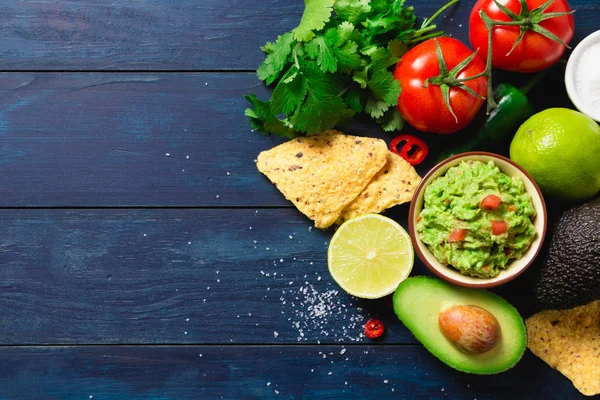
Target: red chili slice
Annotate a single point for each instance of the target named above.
(457, 235)
(499, 227)
(490, 202)
(413, 150)
(374, 328)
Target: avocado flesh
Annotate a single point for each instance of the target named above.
(570, 274)
(417, 303)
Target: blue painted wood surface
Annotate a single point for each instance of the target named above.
(152, 139)
(260, 372)
(144, 257)
(180, 276)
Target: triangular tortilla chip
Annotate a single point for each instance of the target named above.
(394, 184)
(322, 174)
(569, 341)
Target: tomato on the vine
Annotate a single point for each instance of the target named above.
(434, 100)
(538, 47)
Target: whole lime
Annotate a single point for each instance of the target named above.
(560, 148)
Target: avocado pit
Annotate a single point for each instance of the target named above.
(470, 328)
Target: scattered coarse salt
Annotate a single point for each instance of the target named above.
(187, 157)
(217, 196)
(330, 373)
(385, 381)
(291, 237)
(200, 355)
(227, 173)
(185, 332)
(187, 320)
(205, 83)
(268, 383)
(342, 351)
(275, 333)
(168, 154)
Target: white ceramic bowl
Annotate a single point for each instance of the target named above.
(516, 267)
(570, 75)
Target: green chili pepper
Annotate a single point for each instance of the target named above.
(513, 108)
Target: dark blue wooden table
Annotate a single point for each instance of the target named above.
(144, 257)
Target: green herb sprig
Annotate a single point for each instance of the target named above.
(335, 64)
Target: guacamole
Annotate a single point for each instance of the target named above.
(476, 219)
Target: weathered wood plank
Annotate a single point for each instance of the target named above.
(129, 139)
(161, 139)
(179, 35)
(264, 372)
(140, 35)
(178, 276)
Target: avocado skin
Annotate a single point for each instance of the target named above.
(570, 273)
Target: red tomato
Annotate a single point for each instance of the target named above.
(490, 202)
(535, 51)
(457, 235)
(499, 227)
(424, 107)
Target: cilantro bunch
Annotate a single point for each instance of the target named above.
(336, 64)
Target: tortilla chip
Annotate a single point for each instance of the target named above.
(322, 174)
(569, 341)
(394, 184)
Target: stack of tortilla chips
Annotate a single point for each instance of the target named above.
(334, 177)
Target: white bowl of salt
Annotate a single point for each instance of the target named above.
(582, 77)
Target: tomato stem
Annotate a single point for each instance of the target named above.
(527, 20)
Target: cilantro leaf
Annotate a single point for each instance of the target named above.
(345, 30)
(262, 119)
(391, 121)
(289, 93)
(277, 57)
(347, 57)
(353, 99)
(384, 86)
(316, 14)
(352, 11)
(320, 49)
(376, 108)
(323, 108)
(397, 48)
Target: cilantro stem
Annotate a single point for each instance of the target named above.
(296, 55)
(428, 21)
(423, 38)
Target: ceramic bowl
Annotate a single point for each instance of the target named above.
(571, 75)
(515, 267)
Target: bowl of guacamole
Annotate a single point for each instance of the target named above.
(477, 219)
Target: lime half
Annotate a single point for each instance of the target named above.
(370, 255)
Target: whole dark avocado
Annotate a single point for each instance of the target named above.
(570, 273)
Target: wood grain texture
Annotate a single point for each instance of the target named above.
(179, 276)
(174, 35)
(156, 139)
(251, 372)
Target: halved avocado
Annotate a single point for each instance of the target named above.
(418, 302)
